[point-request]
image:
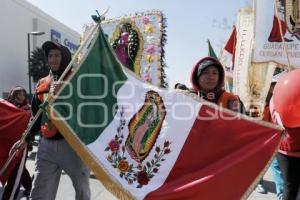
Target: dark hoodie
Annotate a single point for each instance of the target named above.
(198, 69)
(66, 58)
(12, 97)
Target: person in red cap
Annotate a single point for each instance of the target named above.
(54, 153)
(207, 79)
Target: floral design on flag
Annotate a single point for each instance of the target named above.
(144, 134)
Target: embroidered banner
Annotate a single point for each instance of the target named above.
(138, 41)
(143, 142)
(243, 53)
(269, 44)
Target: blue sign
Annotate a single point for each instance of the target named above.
(56, 36)
(70, 45)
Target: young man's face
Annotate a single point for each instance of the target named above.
(209, 78)
(54, 59)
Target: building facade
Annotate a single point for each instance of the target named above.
(18, 18)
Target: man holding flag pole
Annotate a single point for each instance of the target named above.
(54, 153)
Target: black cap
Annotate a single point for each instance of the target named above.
(202, 65)
(47, 46)
(205, 64)
(180, 86)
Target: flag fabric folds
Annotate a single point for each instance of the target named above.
(13, 122)
(143, 142)
(228, 53)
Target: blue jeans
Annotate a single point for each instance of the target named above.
(277, 176)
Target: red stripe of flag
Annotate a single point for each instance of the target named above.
(13, 122)
(219, 160)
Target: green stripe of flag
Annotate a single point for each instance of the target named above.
(211, 51)
(88, 102)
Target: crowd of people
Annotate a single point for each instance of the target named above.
(54, 154)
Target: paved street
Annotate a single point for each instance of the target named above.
(66, 191)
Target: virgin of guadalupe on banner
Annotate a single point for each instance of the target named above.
(126, 45)
(138, 41)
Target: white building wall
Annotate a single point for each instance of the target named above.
(17, 18)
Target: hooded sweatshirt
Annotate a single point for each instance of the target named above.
(42, 88)
(219, 95)
(65, 60)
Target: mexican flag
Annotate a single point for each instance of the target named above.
(143, 142)
(228, 53)
(13, 122)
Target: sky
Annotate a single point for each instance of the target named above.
(190, 23)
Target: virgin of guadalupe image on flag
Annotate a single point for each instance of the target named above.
(145, 126)
(145, 142)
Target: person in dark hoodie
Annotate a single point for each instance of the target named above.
(207, 79)
(54, 153)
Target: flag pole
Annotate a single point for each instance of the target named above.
(87, 39)
(33, 120)
(20, 142)
(69, 67)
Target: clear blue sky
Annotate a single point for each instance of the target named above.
(190, 24)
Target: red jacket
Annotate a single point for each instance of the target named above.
(290, 144)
